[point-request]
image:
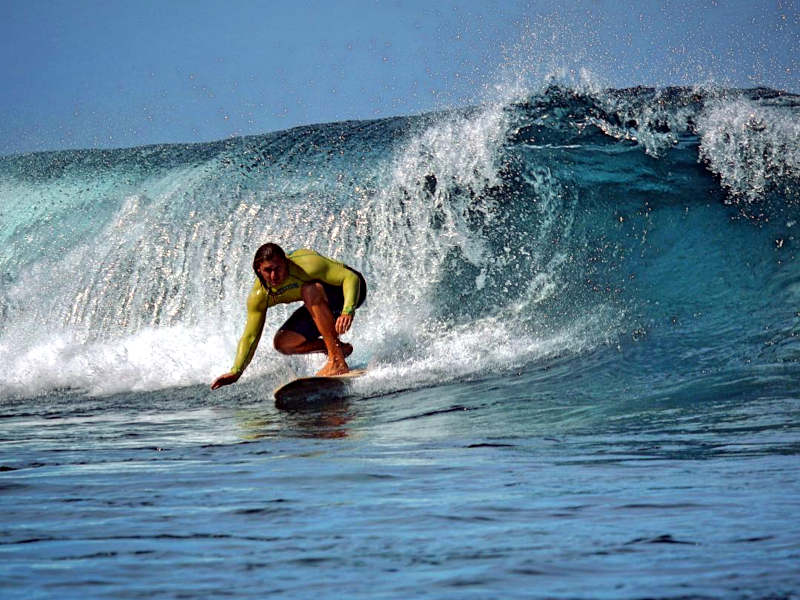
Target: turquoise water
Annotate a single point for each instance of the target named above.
(581, 337)
(503, 487)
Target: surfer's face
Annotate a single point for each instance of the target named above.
(273, 271)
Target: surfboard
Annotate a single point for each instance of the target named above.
(307, 392)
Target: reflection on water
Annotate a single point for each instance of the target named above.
(324, 422)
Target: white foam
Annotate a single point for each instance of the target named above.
(146, 360)
(752, 148)
(483, 348)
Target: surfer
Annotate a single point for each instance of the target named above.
(331, 292)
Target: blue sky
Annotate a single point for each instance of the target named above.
(91, 73)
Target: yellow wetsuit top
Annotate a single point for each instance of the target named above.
(304, 266)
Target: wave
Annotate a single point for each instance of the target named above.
(493, 238)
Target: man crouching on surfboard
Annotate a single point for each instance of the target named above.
(330, 291)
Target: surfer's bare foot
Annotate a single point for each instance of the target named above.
(333, 367)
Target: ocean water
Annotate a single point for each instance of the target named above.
(582, 337)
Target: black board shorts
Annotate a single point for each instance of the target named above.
(301, 321)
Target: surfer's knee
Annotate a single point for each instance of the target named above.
(314, 293)
(282, 342)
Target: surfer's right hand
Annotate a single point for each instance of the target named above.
(226, 379)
